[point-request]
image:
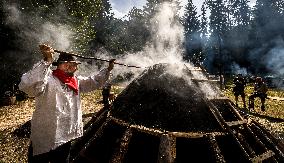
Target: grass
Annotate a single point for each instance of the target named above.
(274, 108)
(13, 147)
(273, 116)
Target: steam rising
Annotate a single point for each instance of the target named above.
(165, 46)
(60, 34)
(35, 30)
(239, 70)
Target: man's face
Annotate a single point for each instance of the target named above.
(71, 68)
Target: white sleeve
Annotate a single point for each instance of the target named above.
(87, 84)
(34, 81)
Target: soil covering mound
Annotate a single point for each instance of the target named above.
(161, 100)
(162, 117)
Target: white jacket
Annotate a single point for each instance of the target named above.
(57, 118)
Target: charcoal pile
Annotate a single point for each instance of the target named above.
(158, 99)
(169, 117)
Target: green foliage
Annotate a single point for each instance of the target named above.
(21, 29)
(79, 15)
(240, 12)
(136, 30)
(151, 8)
(268, 20)
(218, 20)
(190, 19)
(235, 31)
(102, 25)
(239, 27)
(266, 33)
(192, 31)
(82, 13)
(203, 23)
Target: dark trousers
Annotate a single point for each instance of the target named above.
(106, 93)
(262, 97)
(59, 155)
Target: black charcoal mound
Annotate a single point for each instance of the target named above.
(157, 99)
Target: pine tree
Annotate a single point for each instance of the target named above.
(136, 30)
(203, 23)
(267, 31)
(192, 34)
(102, 25)
(237, 36)
(218, 20)
(150, 8)
(204, 30)
(218, 28)
(239, 11)
(268, 19)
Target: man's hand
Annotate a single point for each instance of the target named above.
(111, 64)
(47, 52)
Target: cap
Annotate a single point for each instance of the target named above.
(63, 57)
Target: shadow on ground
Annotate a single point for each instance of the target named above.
(270, 119)
(24, 131)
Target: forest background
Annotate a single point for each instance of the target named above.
(226, 37)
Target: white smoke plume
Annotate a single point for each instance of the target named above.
(236, 69)
(165, 47)
(34, 29)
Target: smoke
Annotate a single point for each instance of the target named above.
(166, 42)
(275, 56)
(13, 15)
(34, 29)
(236, 69)
(269, 56)
(166, 46)
(60, 34)
(167, 38)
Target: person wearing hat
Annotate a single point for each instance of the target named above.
(260, 90)
(57, 118)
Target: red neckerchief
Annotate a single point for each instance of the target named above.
(70, 81)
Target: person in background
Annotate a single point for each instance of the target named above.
(57, 118)
(260, 90)
(106, 93)
(239, 88)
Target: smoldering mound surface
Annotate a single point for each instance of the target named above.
(160, 100)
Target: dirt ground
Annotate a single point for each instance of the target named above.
(14, 121)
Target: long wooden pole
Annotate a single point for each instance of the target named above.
(95, 58)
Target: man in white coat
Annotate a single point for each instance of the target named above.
(57, 118)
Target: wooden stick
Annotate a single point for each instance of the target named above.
(85, 57)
